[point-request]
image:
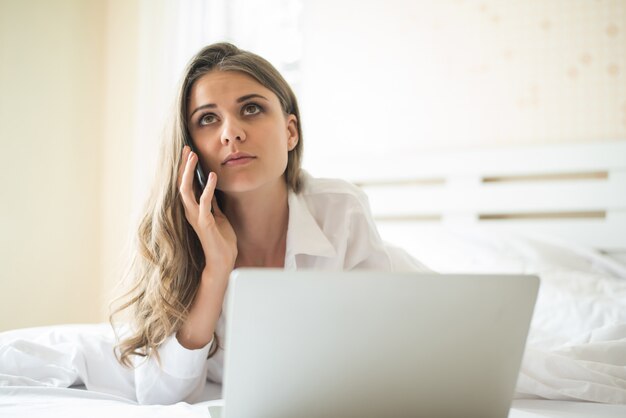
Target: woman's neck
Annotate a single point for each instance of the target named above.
(259, 219)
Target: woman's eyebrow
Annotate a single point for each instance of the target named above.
(239, 100)
(250, 96)
(204, 106)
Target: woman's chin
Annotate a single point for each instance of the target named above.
(248, 182)
(240, 184)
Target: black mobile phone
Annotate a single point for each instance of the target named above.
(199, 172)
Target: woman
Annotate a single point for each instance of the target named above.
(258, 209)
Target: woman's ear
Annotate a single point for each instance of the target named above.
(292, 132)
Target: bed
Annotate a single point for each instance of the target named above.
(559, 212)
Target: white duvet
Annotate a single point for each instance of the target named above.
(576, 348)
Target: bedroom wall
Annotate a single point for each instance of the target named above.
(76, 113)
(413, 76)
(51, 67)
(119, 145)
(66, 114)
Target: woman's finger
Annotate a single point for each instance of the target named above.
(207, 196)
(186, 186)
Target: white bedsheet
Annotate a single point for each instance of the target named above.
(576, 349)
(50, 402)
(63, 356)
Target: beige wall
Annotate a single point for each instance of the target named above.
(120, 131)
(419, 75)
(83, 87)
(62, 68)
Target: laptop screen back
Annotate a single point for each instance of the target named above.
(331, 344)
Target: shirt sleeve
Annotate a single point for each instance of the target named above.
(180, 375)
(402, 261)
(365, 249)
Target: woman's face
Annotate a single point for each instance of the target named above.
(239, 130)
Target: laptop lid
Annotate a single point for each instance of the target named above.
(373, 344)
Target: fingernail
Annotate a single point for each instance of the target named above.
(190, 155)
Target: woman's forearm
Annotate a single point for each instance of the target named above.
(198, 329)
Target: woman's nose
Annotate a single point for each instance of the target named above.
(232, 132)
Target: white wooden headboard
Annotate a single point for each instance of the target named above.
(576, 192)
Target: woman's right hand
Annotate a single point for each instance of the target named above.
(214, 231)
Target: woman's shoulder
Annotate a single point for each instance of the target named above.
(318, 187)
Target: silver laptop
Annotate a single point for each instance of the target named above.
(373, 344)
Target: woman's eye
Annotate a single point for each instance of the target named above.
(251, 109)
(207, 119)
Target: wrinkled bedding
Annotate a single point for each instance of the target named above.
(576, 348)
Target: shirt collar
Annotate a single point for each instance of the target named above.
(304, 236)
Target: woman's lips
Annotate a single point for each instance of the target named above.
(239, 161)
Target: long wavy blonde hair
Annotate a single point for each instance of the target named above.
(167, 263)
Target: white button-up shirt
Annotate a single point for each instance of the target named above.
(330, 228)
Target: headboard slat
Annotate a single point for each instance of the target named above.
(574, 191)
(593, 175)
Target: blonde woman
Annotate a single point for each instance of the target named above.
(257, 209)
